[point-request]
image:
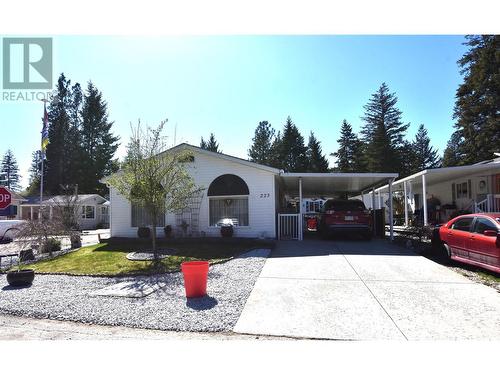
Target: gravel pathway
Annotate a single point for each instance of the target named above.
(67, 298)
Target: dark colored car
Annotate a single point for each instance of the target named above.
(345, 216)
(473, 239)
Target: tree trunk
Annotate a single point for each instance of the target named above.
(153, 238)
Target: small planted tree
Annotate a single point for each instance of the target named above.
(154, 178)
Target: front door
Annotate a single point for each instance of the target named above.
(484, 249)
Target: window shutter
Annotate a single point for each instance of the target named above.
(469, 183)
(453, 193)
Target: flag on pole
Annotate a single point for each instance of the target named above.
(45, 129)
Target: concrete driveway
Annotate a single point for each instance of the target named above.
(353, 290)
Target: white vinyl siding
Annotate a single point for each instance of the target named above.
(204, 169)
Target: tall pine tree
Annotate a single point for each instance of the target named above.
(316, 160)
(260, 151)
(63, 153)
(275, 152)
(35, 173)
(477, 106)
(211, 144)
(383, 132)
(291, 150)
(452, 155)
(349, 154)
(423, 155)
(98, 144)
(9, 171)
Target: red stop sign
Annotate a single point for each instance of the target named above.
(5, 198)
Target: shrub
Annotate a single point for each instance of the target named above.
(50, 245)
(144, 232)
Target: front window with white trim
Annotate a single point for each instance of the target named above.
(88, 212)
(228, 201)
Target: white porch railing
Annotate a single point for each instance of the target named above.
(490, 204)
(290, 227)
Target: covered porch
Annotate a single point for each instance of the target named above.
(433, 195)
(302, 186)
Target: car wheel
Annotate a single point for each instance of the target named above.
(446, 253)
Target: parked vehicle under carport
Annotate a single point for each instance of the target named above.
(341, 216)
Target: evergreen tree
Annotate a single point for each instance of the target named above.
(35, 173)
(98, 144)
(63, 154)
(423, 155)
(408, 163)
(477, 105)
(260, 151)
(452, 155)
(383, 132)
(291, 151)
(211, 144)
(10, 171)
(349, 154)
(316, 161)
(275, 152)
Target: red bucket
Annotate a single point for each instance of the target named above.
(195, 278)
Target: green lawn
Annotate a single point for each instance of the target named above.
(110, 258)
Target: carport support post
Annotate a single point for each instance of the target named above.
(424, 199)
(391, 215)
(406, 203)
(301, 234)
(373, 210)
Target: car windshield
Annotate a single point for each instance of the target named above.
(348, 205)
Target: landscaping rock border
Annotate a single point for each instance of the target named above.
(68, 298)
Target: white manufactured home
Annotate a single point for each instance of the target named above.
(258, 200)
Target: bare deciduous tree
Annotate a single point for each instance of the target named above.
(152, 177)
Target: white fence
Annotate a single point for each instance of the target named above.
(290, 227)
(490, 204)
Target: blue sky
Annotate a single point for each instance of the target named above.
(227, 84)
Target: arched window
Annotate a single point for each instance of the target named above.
(228, 201)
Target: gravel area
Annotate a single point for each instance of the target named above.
(68, 298)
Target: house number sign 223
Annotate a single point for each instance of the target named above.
(265, 195)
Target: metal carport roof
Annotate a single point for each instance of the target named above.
(320, 184)
(437, 175)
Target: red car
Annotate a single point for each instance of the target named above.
(345, 216)
(473, 239)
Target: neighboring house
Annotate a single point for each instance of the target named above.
(93, 209)
(258, 200)
(472, 188)
(13, 211)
